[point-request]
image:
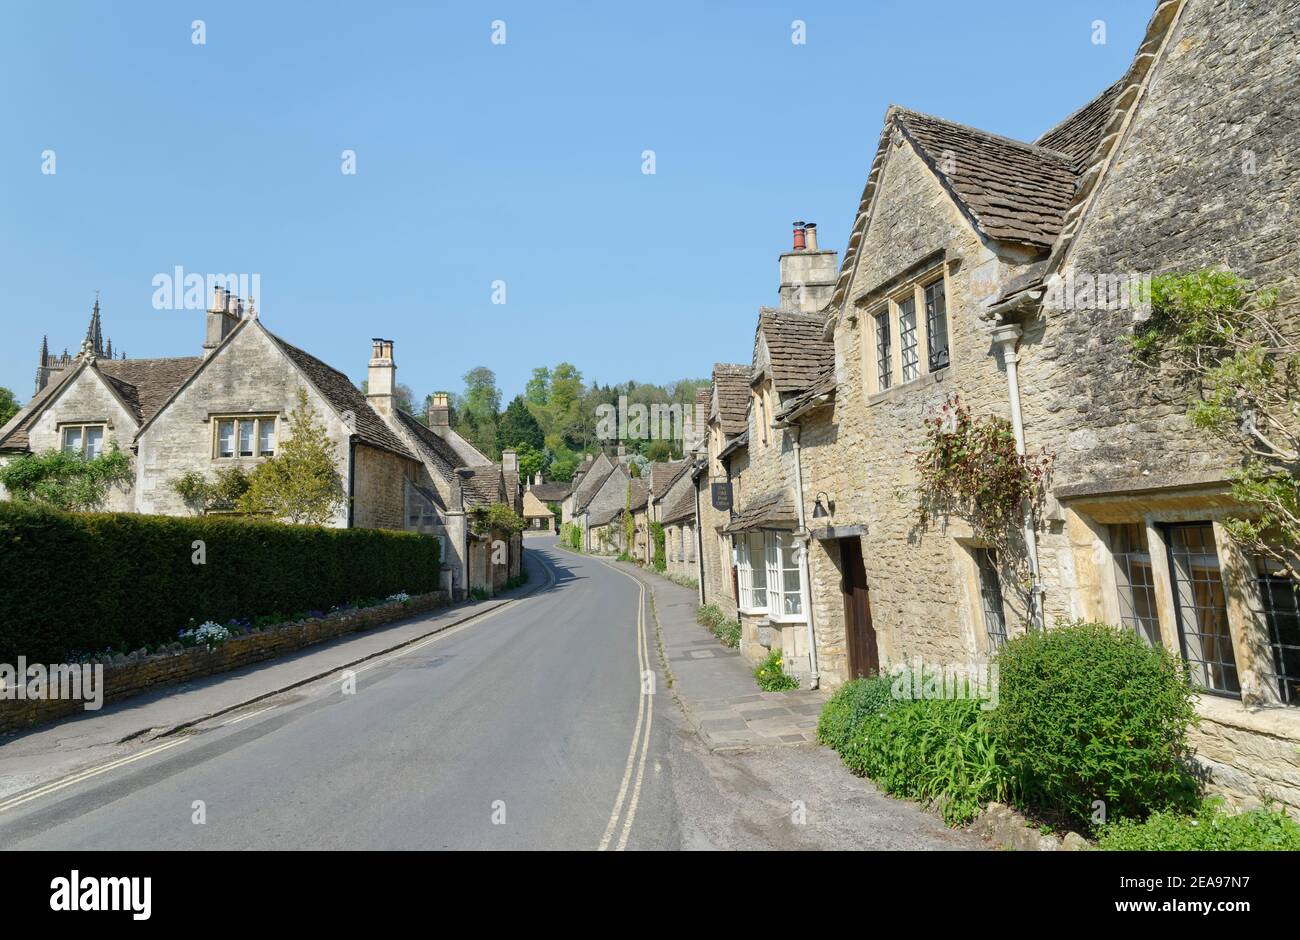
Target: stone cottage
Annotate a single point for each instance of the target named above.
(952, 285)
(726, 432)
(229, 407)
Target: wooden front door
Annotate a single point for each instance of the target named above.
(864, 659)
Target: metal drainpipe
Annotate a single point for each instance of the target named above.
(805, 578)
(1006, 336)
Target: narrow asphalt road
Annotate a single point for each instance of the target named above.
(523, 729)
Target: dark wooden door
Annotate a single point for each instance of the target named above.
(864, 659)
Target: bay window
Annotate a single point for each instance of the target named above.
(784, 593)
(751, 572)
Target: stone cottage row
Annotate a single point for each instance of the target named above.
(228, 408)
(803, 517)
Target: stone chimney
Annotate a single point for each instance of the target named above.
(509, 461)
(223, 317)
(382, 377)
(808, 273)
(537, 478)
(439, 414)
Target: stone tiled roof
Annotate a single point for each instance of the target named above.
(741, 441)
(148, 382)
(771, 510)
(1014, 191)
(550, 492)
(345, 397)
(431, 447)
(823, 385)
(731, 384)
(796, 347)
(144, 385)
(663, 473)
(481, 486)
(640, 495)
(1079, 134)
(683, 506)
(592, 481)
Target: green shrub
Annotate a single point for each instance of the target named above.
(81, 583)
(931, 750)
(571, 536)
(1090, 712)
(851, 704)
(727, 631)
(1210, 830)
(771, 675)
(660, 558)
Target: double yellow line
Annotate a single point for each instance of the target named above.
(629, 793)
(87, 774)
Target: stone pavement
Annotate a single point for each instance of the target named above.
(715, 685)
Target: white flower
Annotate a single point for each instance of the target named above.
(400, 596)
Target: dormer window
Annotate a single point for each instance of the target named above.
(245, 436)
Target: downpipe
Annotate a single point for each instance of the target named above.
(804, 540)
(1007, 336)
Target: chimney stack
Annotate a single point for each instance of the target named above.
(439, 414)
(222, 318)
(808, 273)
(537, 478)
(509, 461)
(381, 380)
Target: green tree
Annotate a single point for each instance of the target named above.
(299, 484)
(8, 405)
(518, 428)
(533, 461)
(65, 480)
(476, 411)
(564, 464)
(538, 389)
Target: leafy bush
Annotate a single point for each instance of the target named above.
(660, 547)
(76, 583)
(727, 631)
(65, 480)
(571, 536)
(1090, 712)
(772, 677)
(851, 705)
(1210, 830)
(931, 749)
(496, 519)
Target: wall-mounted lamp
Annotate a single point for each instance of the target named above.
(823, 510)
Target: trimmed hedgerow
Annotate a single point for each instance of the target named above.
(1089, 712)
(79, 583)
(1210, 830)
(849, 707)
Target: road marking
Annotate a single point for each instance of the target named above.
(645, 710)
(235, 721)
(86, 775)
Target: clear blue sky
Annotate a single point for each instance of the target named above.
(478, 162)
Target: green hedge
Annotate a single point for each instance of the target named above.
(1210, 830)
(79, 583)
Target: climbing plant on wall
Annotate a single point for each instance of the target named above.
(1232, 353)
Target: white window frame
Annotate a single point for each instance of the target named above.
(780, 558)
(82, 429)
(747, 544)
(256, 421)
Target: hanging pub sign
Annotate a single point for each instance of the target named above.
(721, 496)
